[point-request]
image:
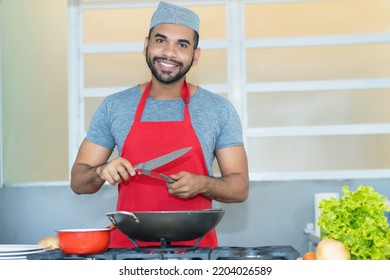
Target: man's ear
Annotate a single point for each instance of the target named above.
(196, 56)
(146, 44)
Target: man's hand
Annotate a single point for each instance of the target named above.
(187, 185)
(115, 171)
(91, 170)
(232, 186)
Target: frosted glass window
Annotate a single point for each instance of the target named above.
(213, 21)
(300, 154)
(318, 108)
(132, 24)
(115, 69)
(211, 68)
(116, 25)
(318, 63)
(316, 18)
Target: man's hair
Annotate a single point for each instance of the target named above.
(196, 37)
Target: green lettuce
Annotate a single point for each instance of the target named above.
(357, 219)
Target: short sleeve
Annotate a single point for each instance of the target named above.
(231, 129)
(99, 131)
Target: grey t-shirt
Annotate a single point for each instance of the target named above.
(215, 120)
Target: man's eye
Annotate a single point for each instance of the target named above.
(160, 41)
(183, 46)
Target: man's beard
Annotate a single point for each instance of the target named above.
(164, 76)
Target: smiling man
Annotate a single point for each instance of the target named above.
(159, 43)
(157, 117)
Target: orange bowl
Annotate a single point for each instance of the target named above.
(83, 241)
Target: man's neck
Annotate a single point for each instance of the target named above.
(166, 91)
(171, 91)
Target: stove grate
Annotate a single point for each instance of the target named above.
(254, 253)
(179, 253)
(171, 253)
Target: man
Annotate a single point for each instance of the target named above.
(158, 117)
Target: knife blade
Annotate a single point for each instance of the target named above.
(155, 175)
(160, 161)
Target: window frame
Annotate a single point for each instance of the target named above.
(1, 106)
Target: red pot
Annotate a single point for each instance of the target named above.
(83, 241)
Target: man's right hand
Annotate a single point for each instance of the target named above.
(91, 169)
(115, 171)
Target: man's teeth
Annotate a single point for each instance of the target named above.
(167, 64)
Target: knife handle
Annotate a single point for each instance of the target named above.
(167, 178)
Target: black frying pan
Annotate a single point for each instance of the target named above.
(170, 226)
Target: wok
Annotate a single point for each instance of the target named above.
(155, 226)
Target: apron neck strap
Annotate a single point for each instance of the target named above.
(185, 92)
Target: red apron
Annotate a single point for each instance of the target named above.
(147, 140)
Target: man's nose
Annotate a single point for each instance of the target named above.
(170, 50)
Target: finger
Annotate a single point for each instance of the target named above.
(123, 173)
(123, 167)
(129, 169)
(176, 189)
(111, 181)
(111, 176)
(132, 171)
(115, 179)
(176, 176)
(180, 194)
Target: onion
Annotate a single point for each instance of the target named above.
(331, 249)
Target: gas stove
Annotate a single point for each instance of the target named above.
(179, 253)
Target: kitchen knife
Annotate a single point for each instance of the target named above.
(155, 175)
(147, 167)
(160, 161)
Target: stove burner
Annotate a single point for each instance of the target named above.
(179, 253)
(171, 253)
(254, 253)
(164, 243)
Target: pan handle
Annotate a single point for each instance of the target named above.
(112, 214)
(134, 216)
(113, 221)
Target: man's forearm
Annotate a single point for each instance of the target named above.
(230, 188)
(85, 180)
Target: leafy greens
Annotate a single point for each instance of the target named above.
(357, 219)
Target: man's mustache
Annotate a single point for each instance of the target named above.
(167, 59)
